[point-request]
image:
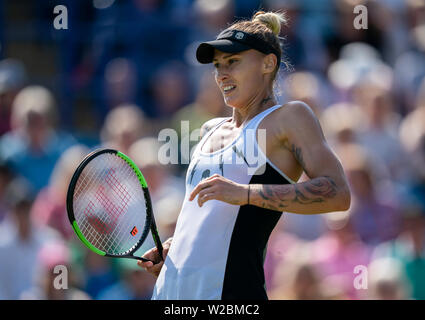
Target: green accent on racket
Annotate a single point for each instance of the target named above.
(135, 168)
(84, 240)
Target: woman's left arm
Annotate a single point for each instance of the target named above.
(326, 190)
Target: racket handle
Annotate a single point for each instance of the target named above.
(143, 259)
(157, 240)
(154, 230)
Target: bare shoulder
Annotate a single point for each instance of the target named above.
(295, 116)
(207, 126)
(296, 110)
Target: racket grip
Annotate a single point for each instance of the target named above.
(154, 230)
(144, 259)
(147, 260)
(157, 241)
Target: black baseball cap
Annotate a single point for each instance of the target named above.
(232, 41)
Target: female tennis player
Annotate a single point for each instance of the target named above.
(218, 248)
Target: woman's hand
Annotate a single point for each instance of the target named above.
(153, 255)
(217, 187)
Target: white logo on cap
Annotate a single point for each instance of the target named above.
(239, 35)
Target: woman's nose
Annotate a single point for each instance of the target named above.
(221, 74)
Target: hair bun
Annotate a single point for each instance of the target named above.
(272, 20)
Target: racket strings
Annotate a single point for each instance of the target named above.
(108, 244)
(109, 204)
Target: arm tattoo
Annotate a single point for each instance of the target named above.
(325, 187)
(315, 190)
(262, 195)
(278, 197)
(296, 151)
(281, 194)
(303, 198)
(265, 100)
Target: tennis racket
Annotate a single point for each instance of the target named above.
(109, 205)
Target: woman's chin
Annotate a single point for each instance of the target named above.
(232, 103)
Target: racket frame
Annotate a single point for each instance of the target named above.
(150, 220)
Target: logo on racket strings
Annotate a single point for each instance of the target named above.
(134, 231)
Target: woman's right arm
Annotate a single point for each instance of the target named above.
(153, 255)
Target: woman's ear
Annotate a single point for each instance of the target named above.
(269, 63)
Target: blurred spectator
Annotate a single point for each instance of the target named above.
(20, 243)
(120, 82)
(412, 135)
(49, 208)
(99, 274)
(307, 87)
(296, 278)
(304, 284)
(12, 78)
(359, 64)
(50, 256)
(279, 245)
(305, 227)
(408, 249)
(123, 126)
(135, 284)
(342, 123)
(410, 64)
(386, 280)
(389, 19)
(298, 43)
(137, 33)
(381, 128)
(209, 19)
(338, 251)
(213, 16)
(34, 144)
(413, 125)
(170, 92)
(5, 178)
(374, 208)
(343, 31)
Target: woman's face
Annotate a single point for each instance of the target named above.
(242, 77)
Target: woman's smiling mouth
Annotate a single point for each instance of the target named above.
(228, 88)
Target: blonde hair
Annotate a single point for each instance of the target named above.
(266, 26)
(273, 20)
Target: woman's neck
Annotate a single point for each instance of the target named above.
(242, 115)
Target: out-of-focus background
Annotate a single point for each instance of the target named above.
(124, 70)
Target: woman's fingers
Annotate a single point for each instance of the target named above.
(204, 184)
(145, 264)
(155, 269)
(153, 255)
(200, 187)
(150, 267)
(204, 197)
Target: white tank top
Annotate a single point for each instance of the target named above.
(218, 250)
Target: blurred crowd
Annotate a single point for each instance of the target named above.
(125, 70)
